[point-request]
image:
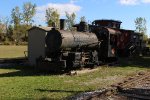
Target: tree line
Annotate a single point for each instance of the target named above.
(14, 30)
(16, 27)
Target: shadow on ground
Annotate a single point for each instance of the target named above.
(60, 91)
(25, 70)
(143, 62)
(69, 91)
(136, 93)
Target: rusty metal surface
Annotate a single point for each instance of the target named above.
(107, 23)
(113, 31)
(57, 39)
(73, 39)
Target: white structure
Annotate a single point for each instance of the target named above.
(36, 43)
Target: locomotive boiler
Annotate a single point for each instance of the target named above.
(72, 49)
(62, 40)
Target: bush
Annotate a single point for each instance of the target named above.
(7, 43)
(22, 43)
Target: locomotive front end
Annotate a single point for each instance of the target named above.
(74, 48)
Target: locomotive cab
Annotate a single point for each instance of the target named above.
(108, 49)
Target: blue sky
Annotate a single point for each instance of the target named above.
(124, 10)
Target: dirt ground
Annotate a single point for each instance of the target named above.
(132, 88)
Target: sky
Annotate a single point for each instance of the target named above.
(124, 10)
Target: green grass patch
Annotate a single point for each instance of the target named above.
(12, 51)
(25, 83)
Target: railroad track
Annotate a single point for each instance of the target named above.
(135, 87)
(131, 80)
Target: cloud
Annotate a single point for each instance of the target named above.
(146, 1)
(73, 1)
(61, 8)
(133, 2)
(128, 2)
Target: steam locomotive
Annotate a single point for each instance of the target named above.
(88, 46)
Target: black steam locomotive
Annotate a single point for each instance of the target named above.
(90, 45)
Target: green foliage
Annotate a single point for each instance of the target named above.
(16, 20)
(29, 10)
(10, 32)
(1, 30)
(18, 33)
(16, 17)
(3, 24)
(52, 17)
(2, 37)
(7, 42)
(70, 20)
(140, 24)
(83, 19)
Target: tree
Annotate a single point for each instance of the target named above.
(52, 17)
(0, 26)
(140, 24)
(10, 32)
(3, 28)
(16, 16)
(1, 31)
(70, 20)
(29, 10)
(83, 19)
(16, 20)
(23, 30)
(4, 21)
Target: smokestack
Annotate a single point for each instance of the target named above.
(83, 27)
(62, 24)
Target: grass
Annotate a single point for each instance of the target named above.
(23, 82)
(12, 51)
(21, 85)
